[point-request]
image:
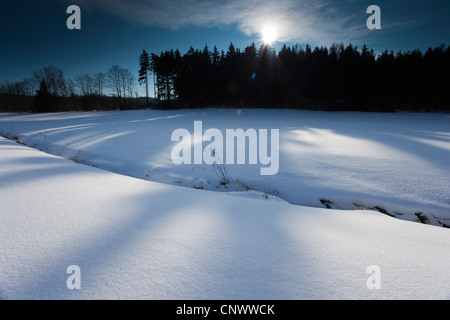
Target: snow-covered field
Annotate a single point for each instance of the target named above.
(396, 163)
(137, 239)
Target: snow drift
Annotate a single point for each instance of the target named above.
(136, 239)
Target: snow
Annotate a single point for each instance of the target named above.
(397, 163)
(137, 239)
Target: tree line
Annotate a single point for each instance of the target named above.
(47, 90)
(336, 78)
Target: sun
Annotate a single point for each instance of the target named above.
(269, 34)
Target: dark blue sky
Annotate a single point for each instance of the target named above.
(34, 33)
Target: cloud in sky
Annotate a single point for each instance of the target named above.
(314, 21)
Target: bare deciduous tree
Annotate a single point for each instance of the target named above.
(100, 79)
(114, 80)
(121, 82)
(86, 84)
(54, 78)
(71, 87)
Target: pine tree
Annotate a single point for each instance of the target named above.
(43, 99)
(215, 57)
(144, 62)
(231, 51)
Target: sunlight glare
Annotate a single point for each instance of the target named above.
(269, 34)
